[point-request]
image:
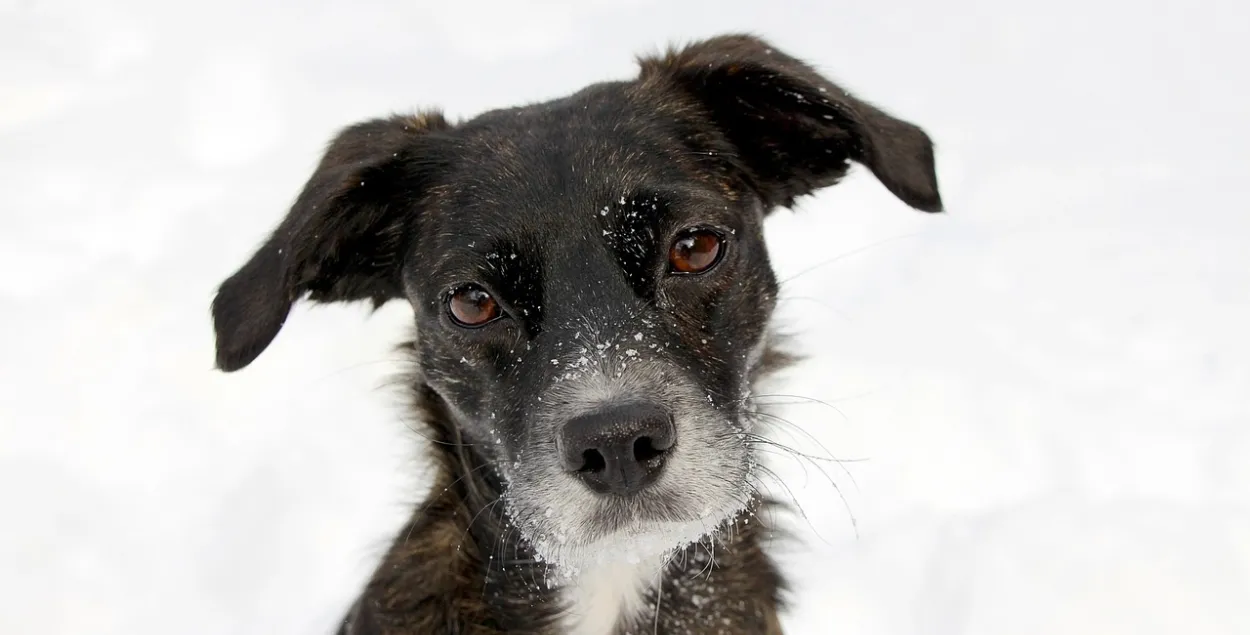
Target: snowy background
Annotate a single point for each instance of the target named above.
(1049, 384)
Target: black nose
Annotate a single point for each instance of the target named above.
(620, 449)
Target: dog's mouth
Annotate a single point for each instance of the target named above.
(599, 541)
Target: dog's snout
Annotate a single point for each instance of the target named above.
(619, 449)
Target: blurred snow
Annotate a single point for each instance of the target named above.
(1050, 384)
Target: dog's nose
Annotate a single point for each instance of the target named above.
(619, 449)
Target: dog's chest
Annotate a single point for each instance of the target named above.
(597, 600)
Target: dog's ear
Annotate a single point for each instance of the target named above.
(793, 131)
(341, 240)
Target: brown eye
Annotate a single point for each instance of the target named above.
(694, 252)
(471, 306)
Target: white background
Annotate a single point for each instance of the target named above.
(1050, 384)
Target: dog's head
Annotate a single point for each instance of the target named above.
(588, 275)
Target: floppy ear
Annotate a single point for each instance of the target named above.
(341, 239)
(793, 131)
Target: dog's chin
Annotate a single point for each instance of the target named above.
(600, 541)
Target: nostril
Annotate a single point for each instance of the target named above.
(645, 450)
(592, 461)
(621, 449)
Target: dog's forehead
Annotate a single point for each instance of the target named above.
(549, 161)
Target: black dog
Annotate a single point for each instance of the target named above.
(591, 293)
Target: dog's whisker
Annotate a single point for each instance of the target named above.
(790, 426)
(800, 456)
(782, 299)
(469, 527)
(434, 498)
(822, 402)
(848, 254)
(800, 399)
(659, 593)
(498, 554)
(836, 488)
(794, 499)
(389, 362)
(755, 439)
(409, 426)
(840, 463)
(795, 505)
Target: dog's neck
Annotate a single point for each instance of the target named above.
(459, 566)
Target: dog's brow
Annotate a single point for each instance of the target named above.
(516, 273)
(666, 209)
(506, 265)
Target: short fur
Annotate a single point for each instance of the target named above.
(564, 212)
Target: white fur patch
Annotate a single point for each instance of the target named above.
(598, 598)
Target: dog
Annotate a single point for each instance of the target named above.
(591, 295)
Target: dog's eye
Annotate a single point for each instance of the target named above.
(471, 306)
(695, 251)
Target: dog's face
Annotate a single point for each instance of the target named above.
(590, 300)
(588, 276)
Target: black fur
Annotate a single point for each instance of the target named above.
(564, 211)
